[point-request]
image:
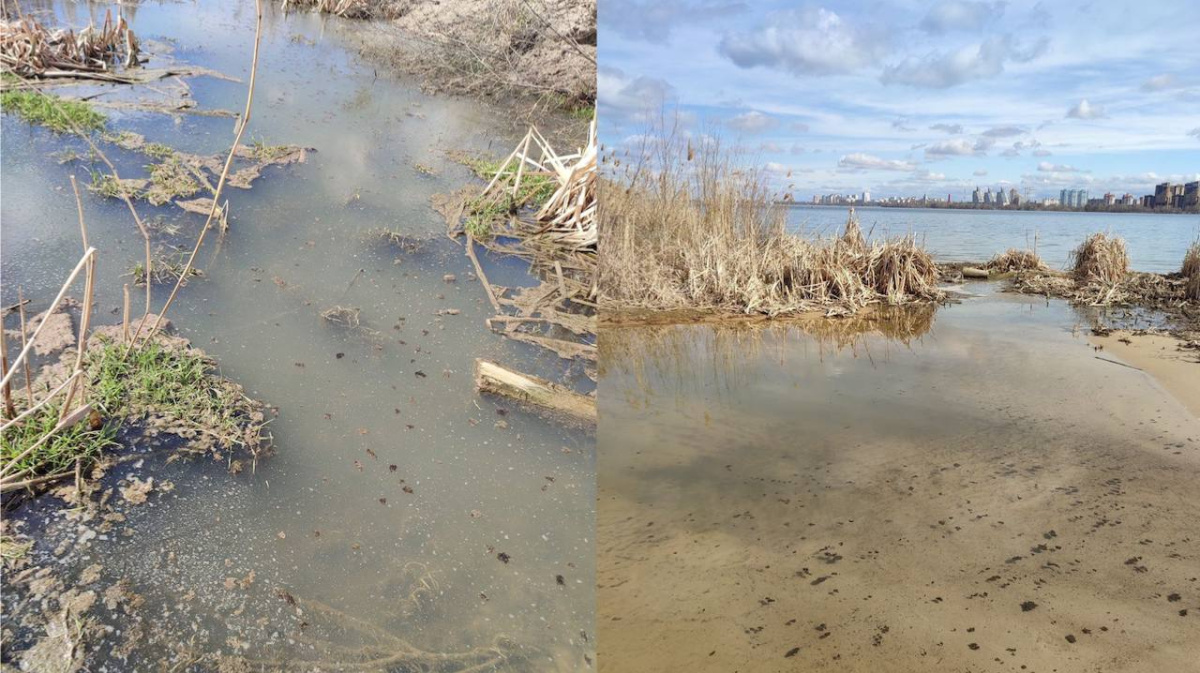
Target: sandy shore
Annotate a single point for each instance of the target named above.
(1176, 369)
(992, 499)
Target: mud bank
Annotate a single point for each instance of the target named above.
(953, 503)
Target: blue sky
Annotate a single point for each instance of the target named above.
(906, 98)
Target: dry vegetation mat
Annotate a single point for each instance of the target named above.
(1100, 275)
(687, 229)
(541, 206)
(546, 48)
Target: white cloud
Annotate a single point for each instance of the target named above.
(979, 173)
(631, 97)
(800, 127)
(860, 161)
(1085, 110)
(652, 20)
(804, 42)
(1195, 133)
(947, 128)
(941, 70)
(1160, 82)
(1004, 132)
(753, 122)
(951, 15)
(958, 147)
(1047, 167)
(1042, 153)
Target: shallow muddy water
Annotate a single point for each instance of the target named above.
(394, 487)
(975, 490)
(1156, 241)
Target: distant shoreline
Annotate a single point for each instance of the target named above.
(1124, 210)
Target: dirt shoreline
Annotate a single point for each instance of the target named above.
(1163, 357)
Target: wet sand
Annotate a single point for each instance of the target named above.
(990, 497)
(1161, 357)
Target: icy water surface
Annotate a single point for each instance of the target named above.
(395, 489)
(1156, 242)
(971, 490)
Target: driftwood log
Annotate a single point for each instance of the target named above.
(496, 380)
(972, 272)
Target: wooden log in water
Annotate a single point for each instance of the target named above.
(972, 272)
(496, 380)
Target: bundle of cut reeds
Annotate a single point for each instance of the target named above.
(1015, 259)
(29, 49)
(1101, 258)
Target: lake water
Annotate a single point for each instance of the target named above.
(974, 489)
(325, 520)
(1157, 242)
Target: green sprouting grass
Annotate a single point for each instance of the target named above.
(176, 387)
(59, 453)
(54, 113)
(108, 186)
(170, 179)
(158, 151)
(483, 212)
(583, 112)
(261, 151)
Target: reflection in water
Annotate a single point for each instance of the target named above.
(954, 502)
(670, 356)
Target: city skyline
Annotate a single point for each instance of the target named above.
(902, 98)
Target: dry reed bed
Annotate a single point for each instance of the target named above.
(694, 231)
(1100, 275)
(29, 49)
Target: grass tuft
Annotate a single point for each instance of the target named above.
(1016, 260)
(56, 114)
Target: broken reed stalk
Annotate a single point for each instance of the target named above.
(88, 255)
(86, 318)
(125, 315)
(34, 407)
(9, 409)
(24, 341)
(492, 378)
(487, 286)
(245, 121)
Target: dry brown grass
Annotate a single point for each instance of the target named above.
(1191, 271)
(1100, 259)
(685, 228)
(1016, 260)
(29, 49)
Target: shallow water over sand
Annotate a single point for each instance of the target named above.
(394, 487)
(984, 495)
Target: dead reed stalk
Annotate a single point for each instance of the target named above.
(1191, 271)
(29, 49)
(1015, 259)
(241, 129)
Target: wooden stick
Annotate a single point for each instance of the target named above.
(492, 378)
(53, 307)
(245, 121)
(12, 486)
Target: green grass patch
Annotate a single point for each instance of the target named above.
(158, 151)
(169, 180)
(261, 151)
(163, 385)
(483, 212)
(54, 113)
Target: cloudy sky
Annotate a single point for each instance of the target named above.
(905, 98)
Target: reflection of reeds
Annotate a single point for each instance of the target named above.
(724, 354)
(696, 231)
